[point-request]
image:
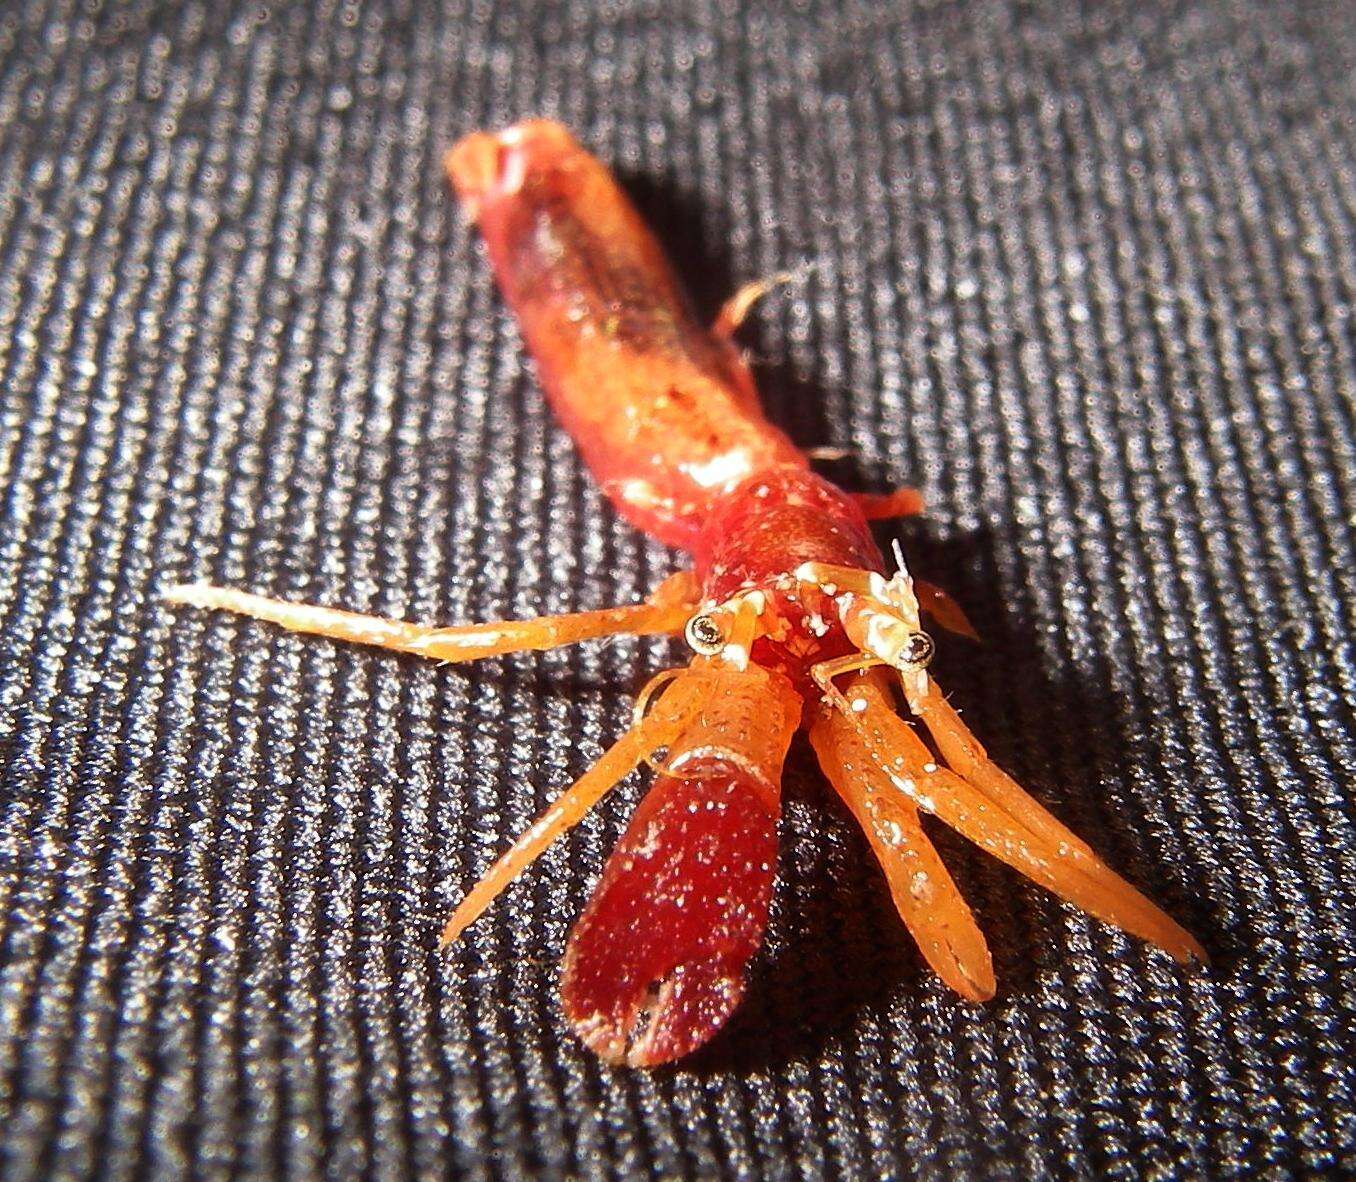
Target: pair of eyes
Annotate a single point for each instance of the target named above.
(706, 637)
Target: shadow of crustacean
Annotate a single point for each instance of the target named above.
(681, 220)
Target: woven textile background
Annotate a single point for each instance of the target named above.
(1085, 275)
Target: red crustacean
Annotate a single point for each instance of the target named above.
(792, 614)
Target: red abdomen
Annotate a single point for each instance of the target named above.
(664, 413)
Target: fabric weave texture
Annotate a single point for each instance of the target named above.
(1085, 274)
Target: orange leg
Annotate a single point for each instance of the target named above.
(676, 708)
(923, 890)
(828, 453)
(995, 814)
(666, 611)
(735, 310)
(902, 502)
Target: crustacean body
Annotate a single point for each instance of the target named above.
(794, 618)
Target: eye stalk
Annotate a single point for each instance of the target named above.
(704, 635)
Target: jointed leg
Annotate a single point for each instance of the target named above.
(828, 453)
(994, 813)
(923, 890)
(666, 611)
(825, 672)
(967, 757)
(733, 312)
(902, 502)
(660, 727)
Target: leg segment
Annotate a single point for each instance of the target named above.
(666, 611)
(923, 891)
(902, 502)
(824, 674)
(999, 816)
(967, 757)
(733, 312)
(672, 713)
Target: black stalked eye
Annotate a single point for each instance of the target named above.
(918, 651)
(705, 635)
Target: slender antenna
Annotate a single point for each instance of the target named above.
(898, 552)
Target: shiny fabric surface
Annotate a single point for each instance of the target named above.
(1085, 274)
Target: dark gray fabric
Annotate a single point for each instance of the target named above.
(1084, 275)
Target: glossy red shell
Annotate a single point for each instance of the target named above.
(656, 962)
(767, 527)
(664, 412)
(771, 524)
